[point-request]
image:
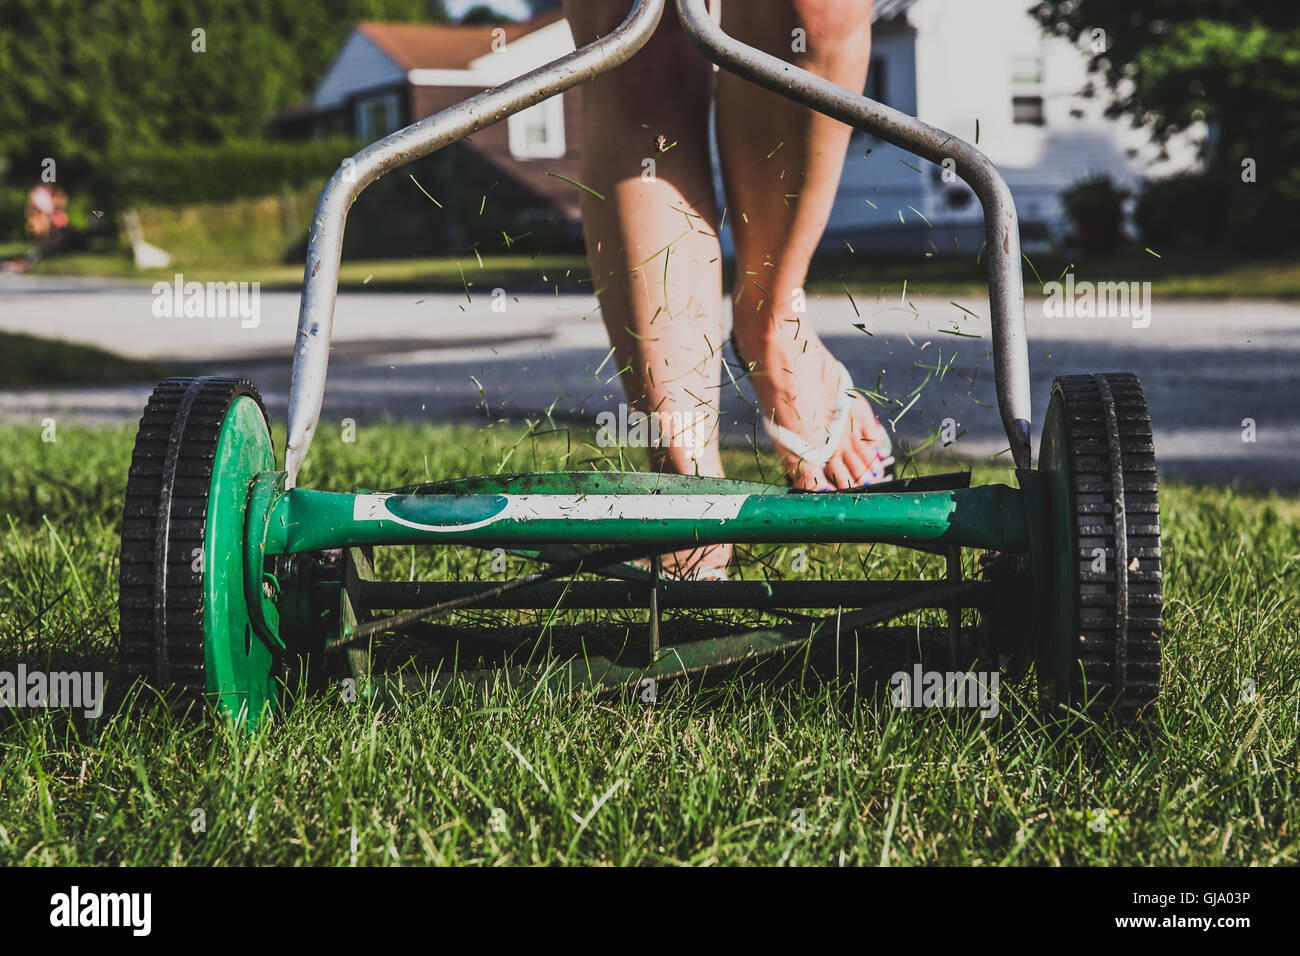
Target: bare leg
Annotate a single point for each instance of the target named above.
(781, 164)
(652, 241)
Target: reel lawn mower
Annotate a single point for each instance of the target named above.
(232, 574)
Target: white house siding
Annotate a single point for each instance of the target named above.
(878, 173)
(964, 62)
(361, 65)
(954, 68)
(527, 53)
(875, 170)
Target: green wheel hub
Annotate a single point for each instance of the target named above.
(241, 668)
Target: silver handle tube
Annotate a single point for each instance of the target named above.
(325, 242)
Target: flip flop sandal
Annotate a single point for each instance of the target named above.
(819, 455)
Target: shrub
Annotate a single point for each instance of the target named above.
(1095, 208)
(13, 200)
(218, 173)
(1187, 211)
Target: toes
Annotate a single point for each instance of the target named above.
(873, 429)
(857, 465)
(806, 477)
(837, 471)
(865, 420)
(873, 434)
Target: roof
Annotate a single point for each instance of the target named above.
(440, 46)
(443, 46)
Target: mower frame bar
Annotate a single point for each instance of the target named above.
(670, 594)
(991, 517)
(325, 241)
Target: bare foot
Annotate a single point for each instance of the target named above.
(704, 564)
(797, 381)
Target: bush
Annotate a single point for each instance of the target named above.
(1188, 211)
(219, 173)
(1217, 210)
(1096, 209)
(182, 189)
(13, 202)
(261, 229)
(391, 219)
(474, 206)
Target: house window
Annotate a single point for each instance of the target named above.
(1027, 109)
(377, 116)
(1027, 90)
(538, 132)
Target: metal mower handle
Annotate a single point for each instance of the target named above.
(325, 241)
(1006, 285)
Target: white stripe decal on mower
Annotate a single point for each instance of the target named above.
(628, 507)
(574, 508)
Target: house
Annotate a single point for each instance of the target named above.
(983, 70)
(388, 75)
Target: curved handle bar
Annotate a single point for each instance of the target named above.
(325, 242)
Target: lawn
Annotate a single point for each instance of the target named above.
(789, 763)
(29, 360)
(1172, 274)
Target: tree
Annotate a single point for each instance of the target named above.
(482, 15)
(80, 79)
(1231, 63)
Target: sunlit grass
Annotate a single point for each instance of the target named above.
(769, 767)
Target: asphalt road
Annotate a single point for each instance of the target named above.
(1206, 365)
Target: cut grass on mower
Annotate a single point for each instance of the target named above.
(805, 766)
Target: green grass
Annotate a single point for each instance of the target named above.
(1173, 275)
(522, 273)
(707, 775)
(28, 360)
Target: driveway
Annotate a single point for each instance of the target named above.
(1206, 365)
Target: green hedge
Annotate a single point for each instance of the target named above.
(1187, 211)
(471, 206)
(474, 206)
(13, 203)
(217, 173)
(1217, 210)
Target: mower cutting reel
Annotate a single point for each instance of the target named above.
(236, 584)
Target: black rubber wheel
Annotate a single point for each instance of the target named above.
(163, 562)
(1102, 642)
